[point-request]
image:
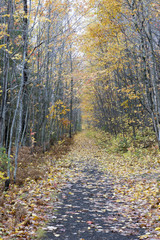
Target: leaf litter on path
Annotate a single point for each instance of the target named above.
(86, 194)
(26, 209)
(90, 206)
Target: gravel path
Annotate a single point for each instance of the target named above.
(88, 210)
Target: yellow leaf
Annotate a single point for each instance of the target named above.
(48, 20)
(3, 45)
(35, 217)
(143, 236)
(6, 15)
(6, 195)
(157, 229)
(71, 193)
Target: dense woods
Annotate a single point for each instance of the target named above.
(122, 46)
(67, 66)
(38, 89)
(58, 57)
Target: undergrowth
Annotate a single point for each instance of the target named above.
(134, 165)
(125, 156)
(26, 206)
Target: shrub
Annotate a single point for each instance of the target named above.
(123, 145)
(3, 159)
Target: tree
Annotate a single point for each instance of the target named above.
(121, 44)
(35, 43)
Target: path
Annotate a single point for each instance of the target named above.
(87, 209)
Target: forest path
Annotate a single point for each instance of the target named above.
(87, 208)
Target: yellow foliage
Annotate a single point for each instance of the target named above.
(2, 45)
(2, 176)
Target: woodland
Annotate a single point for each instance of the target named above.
(74, 73)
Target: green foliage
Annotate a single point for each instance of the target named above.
(40, 233)
(102, 138)
(91, 133)
(3, 160)
(123, 145)
(145, 138)
(144, 141)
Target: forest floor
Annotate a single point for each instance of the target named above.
(86, 193)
